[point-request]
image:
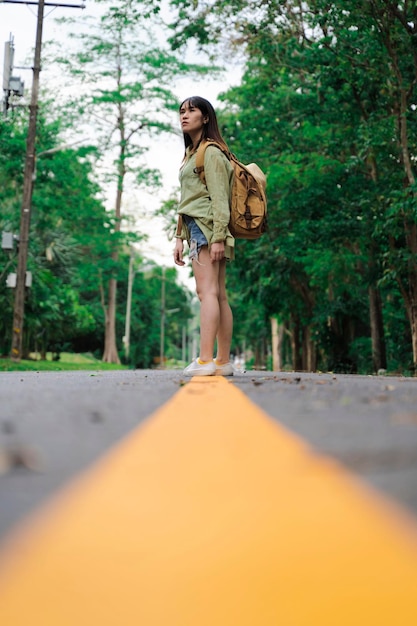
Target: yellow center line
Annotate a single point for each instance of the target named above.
(211, 514)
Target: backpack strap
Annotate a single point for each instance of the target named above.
(199, 159)
(179, 226)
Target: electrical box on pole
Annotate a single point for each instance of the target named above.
(11, 280)
(7, 241)
(16, 86)
(8, 63)
(12, 85)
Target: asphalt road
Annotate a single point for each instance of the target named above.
(52, 425)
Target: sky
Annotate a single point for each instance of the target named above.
(19, 20)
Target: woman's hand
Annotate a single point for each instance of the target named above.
(217, 251)
(179, 251)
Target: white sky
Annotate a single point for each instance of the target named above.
(19, 20)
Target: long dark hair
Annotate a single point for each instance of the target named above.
(211, 129)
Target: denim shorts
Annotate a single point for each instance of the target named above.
(197, 237)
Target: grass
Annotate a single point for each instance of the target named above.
(67, 361)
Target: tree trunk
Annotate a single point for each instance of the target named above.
(379, 357)
(274, 334)
(309, 356)
(413, 322)
(410, 228)
(296, 345)
(412, 304)
(277, 331)
(110, 354)
(410, 298)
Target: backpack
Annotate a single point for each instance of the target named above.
(248, 205)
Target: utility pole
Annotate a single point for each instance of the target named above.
(29, 173)
(19, 294)
(163, 312)
(126, 338)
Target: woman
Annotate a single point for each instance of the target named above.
(203, 222)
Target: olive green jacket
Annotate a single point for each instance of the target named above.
(208, 205)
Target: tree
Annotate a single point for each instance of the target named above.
(66, 214)
(327, 107)
(125, 71)
(149, 285)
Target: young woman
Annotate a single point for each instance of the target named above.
(203, 222)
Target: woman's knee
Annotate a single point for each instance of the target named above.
(206, 277)
(205, 292)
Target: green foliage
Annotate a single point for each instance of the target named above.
(125, 71)
(70, 255)
(65, 212)
(65, 362)
(327, 108)
(147, 297)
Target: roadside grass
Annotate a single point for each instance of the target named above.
(67, 361)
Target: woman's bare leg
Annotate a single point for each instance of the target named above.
(225, 328)
(206, 274)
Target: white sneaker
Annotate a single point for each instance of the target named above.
(226, 369)
(200, 369)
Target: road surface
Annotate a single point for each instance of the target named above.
(143, 498)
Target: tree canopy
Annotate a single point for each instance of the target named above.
(326, 107)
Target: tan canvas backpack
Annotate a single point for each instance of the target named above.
(248, 205)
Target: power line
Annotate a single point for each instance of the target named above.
(46, 4)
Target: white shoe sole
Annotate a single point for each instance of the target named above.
(195, 369)
(224, 370)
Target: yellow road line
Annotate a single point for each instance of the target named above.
(211, 514)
